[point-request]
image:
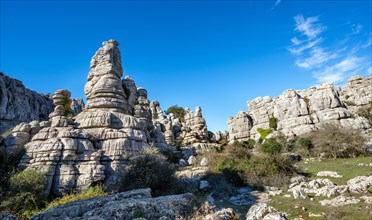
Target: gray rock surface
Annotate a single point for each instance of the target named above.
(339, 201)
(19, 104)
(301, 111)
(124, 206)
(76, 152)
(194, 129)
(224, 214)
(262, 211)
(332, 174)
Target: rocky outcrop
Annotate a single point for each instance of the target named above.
(298, 112)
(76, 152)
(194, 129)
(126, 205)
(77, 106)
(19, 104)
(357, 93)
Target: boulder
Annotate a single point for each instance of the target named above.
(123, 206)
(263, 211)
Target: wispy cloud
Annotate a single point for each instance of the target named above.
(277, 2)
(356, 28)
(309, 26)
(331, 64)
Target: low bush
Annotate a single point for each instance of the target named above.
(149, 169)
(273, 122)
(247, 144)
(177, 111)
(237, 165)
(8, 163)
(271, 146)
(300, 145)
(263, 133)
(333, 141)
(26, 194)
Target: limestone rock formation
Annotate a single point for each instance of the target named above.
(357, 93)
(194, 129)
(124, 206)
(301, 111)
(76, 152)
(77, 106)
(19, 104)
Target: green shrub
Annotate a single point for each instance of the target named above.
(149, 169)
(335, 142)
(271, 146)
(26, 194)
(247, 144)
(300, 145)
(263, 133)
(273, 122)
(256, 171)
(8, 163)
(177, 111)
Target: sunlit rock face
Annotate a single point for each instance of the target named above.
(301, 111)
(76, 152)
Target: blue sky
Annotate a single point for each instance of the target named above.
(213, 54)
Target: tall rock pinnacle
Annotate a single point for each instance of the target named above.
(104, 88)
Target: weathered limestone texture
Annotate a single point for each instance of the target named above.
(194, 129)
(76, 152)
(19, 104)
(302, 111)
(124, 206)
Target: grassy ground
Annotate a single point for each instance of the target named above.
(308, 209)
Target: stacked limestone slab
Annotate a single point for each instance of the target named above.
(194, 129)
(301, 111)
(95, 145)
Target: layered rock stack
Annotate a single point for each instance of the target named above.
(301, 111)
(194, 129)
(95, 145)
(61, 116)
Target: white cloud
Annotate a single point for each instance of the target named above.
(356, 28)
(309, 26)
(336, 62)
(339, 71)
(297, 49)
(317, 57)
(277, 2)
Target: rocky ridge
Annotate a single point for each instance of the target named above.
(299, 112)
(78, 147)
(19, 104)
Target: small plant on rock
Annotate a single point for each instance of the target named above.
(264, 133)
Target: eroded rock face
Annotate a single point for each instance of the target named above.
(124, 206)
(194, 129)
(94, 145)
(19, 104)
(301, 111)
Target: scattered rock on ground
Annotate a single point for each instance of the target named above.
(263, 211)
(329, 174)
